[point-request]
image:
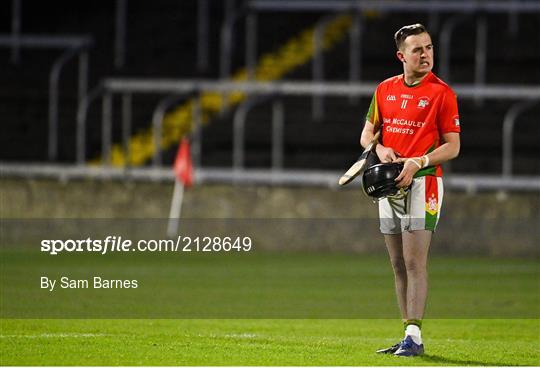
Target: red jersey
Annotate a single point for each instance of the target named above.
(413, 119)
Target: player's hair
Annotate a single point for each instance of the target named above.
(406, 31)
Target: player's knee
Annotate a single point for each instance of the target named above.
(415, 267)
(398, 265)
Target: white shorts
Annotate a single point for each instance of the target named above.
(420, 209)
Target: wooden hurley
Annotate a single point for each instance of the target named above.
(359, 166)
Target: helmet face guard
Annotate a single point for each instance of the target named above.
(378, 181)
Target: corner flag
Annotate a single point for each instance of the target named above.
(183, 172)
(183, 166)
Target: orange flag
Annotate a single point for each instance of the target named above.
(183, 167)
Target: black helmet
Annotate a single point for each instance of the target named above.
(378, 180)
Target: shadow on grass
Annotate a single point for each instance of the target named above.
(442, 360)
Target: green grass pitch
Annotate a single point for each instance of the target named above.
(263, 342)
(481, 311)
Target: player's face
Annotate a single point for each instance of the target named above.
(417, 54)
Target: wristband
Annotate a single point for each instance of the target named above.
(425, 161)
(415, 162)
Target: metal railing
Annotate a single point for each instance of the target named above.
(129, 87)
(126, 87)
(82, 109)
(411, 6)
(126, 126)
(469, 183)
(226, 39)
(508, 133)
(73, 46)
(239, 123)
(317, 102)
(462, 9)
(445, 38)
(157, 121)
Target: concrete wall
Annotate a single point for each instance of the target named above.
(286, 218)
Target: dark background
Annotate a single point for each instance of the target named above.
(161, 42)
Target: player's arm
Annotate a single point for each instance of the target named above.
(373, 119)
(386, 154)
(445, 152)
(367, 134)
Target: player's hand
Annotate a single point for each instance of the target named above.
(406, 175)
(386, 154)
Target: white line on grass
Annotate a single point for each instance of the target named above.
(55, 335)
(242, 336)
(231, 336)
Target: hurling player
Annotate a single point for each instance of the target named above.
(417, 115)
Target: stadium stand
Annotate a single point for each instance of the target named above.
(161, 42)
